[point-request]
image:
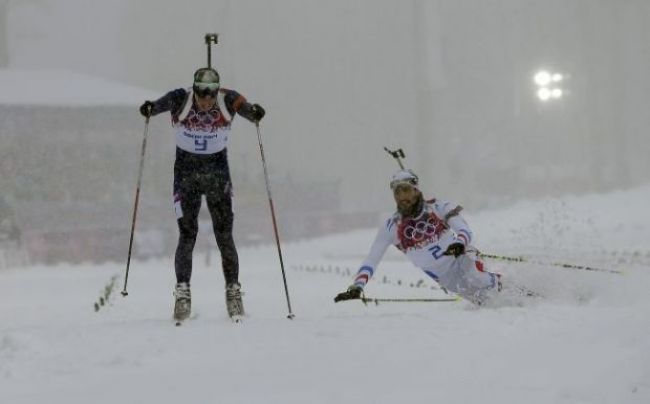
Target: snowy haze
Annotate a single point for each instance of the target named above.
(448, 81)
(451, 82)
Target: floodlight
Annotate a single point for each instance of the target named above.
(544, 94)
(542, 78)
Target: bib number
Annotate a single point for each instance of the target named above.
(436, 251)
(200, 144)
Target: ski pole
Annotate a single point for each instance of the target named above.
(275, 225)
(555, 264)
(135, 205)
(376, 301)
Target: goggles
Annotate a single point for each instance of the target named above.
(406, 177)
(206, 89)
(403, 183)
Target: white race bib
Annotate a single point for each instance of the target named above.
(202, 142)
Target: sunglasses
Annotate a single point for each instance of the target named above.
(205, 90)
(402, 184)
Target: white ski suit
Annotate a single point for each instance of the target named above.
(424, 239)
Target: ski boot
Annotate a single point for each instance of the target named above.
(234, 303)
(183, 305)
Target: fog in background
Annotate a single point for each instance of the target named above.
(449, 82)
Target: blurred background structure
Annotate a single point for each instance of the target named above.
(455, 84)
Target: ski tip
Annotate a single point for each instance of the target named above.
(291, 316)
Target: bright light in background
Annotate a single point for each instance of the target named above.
(548, 85)
(544, 94)
(543, 78)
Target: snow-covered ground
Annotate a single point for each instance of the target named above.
(586, 341)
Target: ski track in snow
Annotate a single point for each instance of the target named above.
(585, 342)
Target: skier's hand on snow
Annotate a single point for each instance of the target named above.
(353, 292)
(455, 249)
(257, 113)
(146, 109)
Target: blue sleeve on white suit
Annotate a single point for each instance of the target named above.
(382, 241)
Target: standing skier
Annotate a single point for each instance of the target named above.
(434, 237)
(202, 116)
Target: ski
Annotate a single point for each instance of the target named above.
(376, 301)
(527, 292)
(236, 319)
(179, 323)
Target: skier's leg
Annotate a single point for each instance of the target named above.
(219, 200)
(187, 203)
(466, 276)
(480, 276)
(477, 282)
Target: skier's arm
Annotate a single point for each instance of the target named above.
(237, 104)
(451, 214)
(172, 101)
(377, 250)
(463, 234)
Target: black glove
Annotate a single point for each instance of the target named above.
(353, 292)
(455, 249)
(257, 112)
(146, 109)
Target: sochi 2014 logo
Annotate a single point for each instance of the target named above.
(203, 120)
(415, 233)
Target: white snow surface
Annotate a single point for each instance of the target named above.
(66, 88)
(586, 341)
